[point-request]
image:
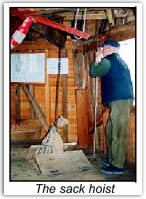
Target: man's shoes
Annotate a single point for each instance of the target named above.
(105, 162)
(112, 170)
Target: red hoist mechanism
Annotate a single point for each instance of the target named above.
(19, 35)
(52, 143)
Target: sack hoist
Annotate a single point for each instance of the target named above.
(53, 143)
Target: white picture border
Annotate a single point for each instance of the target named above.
(30, 188)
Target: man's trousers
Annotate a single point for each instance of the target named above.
(117, 130)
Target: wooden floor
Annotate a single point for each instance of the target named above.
(22, 170)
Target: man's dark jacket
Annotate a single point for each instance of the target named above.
(116, 84)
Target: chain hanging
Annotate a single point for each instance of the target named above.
(57, 83)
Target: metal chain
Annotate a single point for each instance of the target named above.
(57, 83)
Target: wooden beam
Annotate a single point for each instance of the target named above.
(110, 17)
(82, 118)
(17, 102)
(32, 91)
(89, 16)
(21, 14)
(36, 107)
(15, 12)
(120, 33)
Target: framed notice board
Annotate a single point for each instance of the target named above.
(28, 67)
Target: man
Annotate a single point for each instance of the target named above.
(117, 95)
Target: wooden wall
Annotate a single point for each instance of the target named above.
(76, 100)
(46, 94)
(131, 141)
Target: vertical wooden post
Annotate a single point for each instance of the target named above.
(17, 101)
(32, 91)
(82, 118)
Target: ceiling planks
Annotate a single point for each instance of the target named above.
(117, 23)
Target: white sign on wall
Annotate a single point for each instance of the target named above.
(29, 67)
(52, 65)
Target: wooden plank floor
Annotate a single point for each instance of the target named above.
(22, 170)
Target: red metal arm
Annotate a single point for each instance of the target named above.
(53, 24)
(69, 30)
